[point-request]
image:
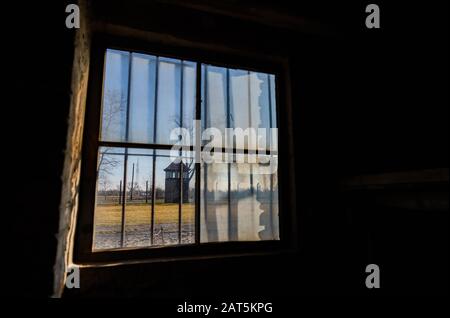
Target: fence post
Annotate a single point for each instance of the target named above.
(132, 184)
(120, 192)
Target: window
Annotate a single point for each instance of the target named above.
(147, 191)
(147, 197)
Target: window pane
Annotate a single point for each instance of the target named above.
(275, 207)
(167, 199)
(138, 200)
(265, 181)
(261, 105)
(215, 105)
(142, 98)
(169, 102)
(244, 224)
(239, 202)
(189, 89)
(240, 99)
(214, 202)
(273, 114)
(250, 104)
(260, 100)
(188, 200)
(115, 91)
(108, 208)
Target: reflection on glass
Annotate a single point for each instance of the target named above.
(265, 192)
(239, 202)
(244, 209)
(215, 107)
(108, 207)
(214, 202)
(216, 97)
(239, 99)
(115, 91)
(273, 111)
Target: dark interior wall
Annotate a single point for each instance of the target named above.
(38, 74)
(364, 101)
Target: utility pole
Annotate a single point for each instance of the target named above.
(132, 184)
(120, 192)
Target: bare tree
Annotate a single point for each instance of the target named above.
(106, 163)
(189, 163)
(104, 184)
(113, 105)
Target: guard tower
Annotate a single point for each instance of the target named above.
(172, 184)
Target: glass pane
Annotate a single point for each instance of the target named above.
(188, 200)
(215, 105)
(250, 106)
(169, 99)
(275, 206)
(261, 106)
(108, 207)
(244, 224)
(114, 100)
(167, 199)
(138, 200)
(142, 98)
(273, 114)
(169, 83)
(214, 202)
(265, 180)
(189, 89)
(239, 201)
(240, 99)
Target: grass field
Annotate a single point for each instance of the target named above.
(140, 213)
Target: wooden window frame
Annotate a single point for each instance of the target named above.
(279, 66)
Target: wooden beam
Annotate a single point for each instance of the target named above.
(395, 178)
(259, 14)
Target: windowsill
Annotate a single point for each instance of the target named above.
(187, 252)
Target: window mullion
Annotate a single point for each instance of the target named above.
(180, 201)
(250, 151)
(230, 219)
(198, 110)
(152, 221)
(270, 143)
